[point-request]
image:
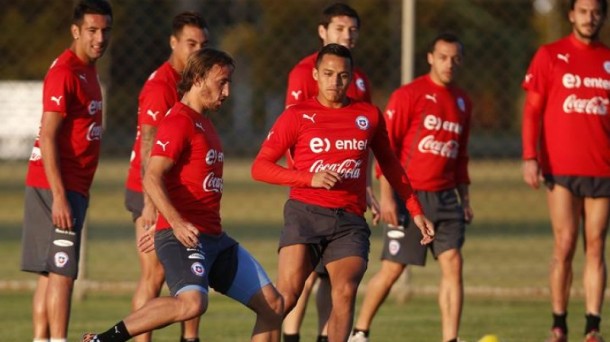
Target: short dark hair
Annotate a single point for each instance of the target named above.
(90, 7)
(602, 3)
(187, 18)
(338, 10)
(446, 37)
(200, 63)
(337, 50)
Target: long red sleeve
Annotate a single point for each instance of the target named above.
(532, 122)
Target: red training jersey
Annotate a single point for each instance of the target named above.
(302, 86)
(194, 184)
(573, 78)
(321, 138)
(158, 95)
(71, 87)
(428, 126)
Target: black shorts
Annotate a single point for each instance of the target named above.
(580, 186)
(134, 202)
(332, 234)
(401, 244)
(46, 249)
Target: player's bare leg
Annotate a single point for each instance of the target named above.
(294, 266)
(596, 227)
(345, 275)
(451, 292)
(269, 308)
(294, 320)
(40, 319)
(323, 304)
(59, 300)
(377, 290)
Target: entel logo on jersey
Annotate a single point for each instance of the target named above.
(434, 123)
(571, 81)
(362, 122)
(214, 156)
(319, 145)
(94, 107)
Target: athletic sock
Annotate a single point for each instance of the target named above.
(117, 333)
(322, 338)
(364, 332)
(58, 340)
(194, 339)
(559, 321)
(40, 340)
(592, 323)
(292, 337)
(453, 340)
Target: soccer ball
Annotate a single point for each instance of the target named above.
(489, 338)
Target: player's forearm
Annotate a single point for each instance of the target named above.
(463, 193)
(269, 172)
(146, 142)
(157, 193)
(50, 158)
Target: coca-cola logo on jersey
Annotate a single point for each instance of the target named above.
(596, 105)
(94, 107)
(319, 145)
(434, 123)
(211, 183)
(94, 132)
(348, 169)
(571, 81)
(448, 149)
(214, 156)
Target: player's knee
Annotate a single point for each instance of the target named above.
(274, 311)
(192, 306)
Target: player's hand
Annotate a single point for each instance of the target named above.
(325, 179)
(389, 211)
(531, 173)
(146, 243)
(426, 227)
(372, 203)
(468, 213)
(149, 217)
(61, 213)
(186, 233)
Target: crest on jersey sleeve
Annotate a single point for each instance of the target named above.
(360, 84)
(362, 122)
(607, 66)
(461, 104)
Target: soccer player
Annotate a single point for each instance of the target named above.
(329, 137)
(339, 24)
(159, 94)
(428, 124)
(566, 140)
(61, 169)
(184, 180)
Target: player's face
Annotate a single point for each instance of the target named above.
(92, 37)
(333, 76)
(214, 88)
(587, 19)
(341, 30)
(444, 62)
(189, 40)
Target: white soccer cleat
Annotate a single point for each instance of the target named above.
(358, 337)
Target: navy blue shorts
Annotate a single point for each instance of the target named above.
(581, 186)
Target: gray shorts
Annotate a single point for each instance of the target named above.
(332, 234)
(581, 186)
(401, 244)
(46, 249)
(134, 202)
(218, 262)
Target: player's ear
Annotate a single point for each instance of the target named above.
(322, 32)
(430, 58)
(173, 41)
(75, 31)
(314, 73)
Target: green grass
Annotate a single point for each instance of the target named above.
(506, 252)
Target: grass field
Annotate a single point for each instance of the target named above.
(506, 253)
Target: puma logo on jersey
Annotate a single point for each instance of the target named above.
(163, 145)
(56, 99)
(200, 126)
(528, 78)
(153, 114)
(565, 58)
(296, 94)
(82, 77)
(269, 135)
(431, 97)
(310, 117)
(390, 113)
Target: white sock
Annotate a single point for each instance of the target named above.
(58, 340)
(40, 340)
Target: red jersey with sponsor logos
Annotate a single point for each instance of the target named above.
(71, 88)
(159, 94)
(321, 138)
(428, 126)
(302, 86)
(574, 80)
(194, 184)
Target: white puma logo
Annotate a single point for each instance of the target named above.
(56, 99)
(269, 135)
(82, 77)
(528, 77)
(163, 145)
(390, 113)
(296, 94)
(431, 97)
(200, 126)
(308, 117)
(153, 114)
(565, 58)
(116, 329)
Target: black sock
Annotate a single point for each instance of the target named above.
(194, 339)
(292, 337)
(559, 321)
(592, 323)
(322, 338)
(117, 333)
(365, 332)
(453, 340)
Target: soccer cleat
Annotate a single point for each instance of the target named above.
(358, 337)
(90, 337)
(557, 335)
(594, 336)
